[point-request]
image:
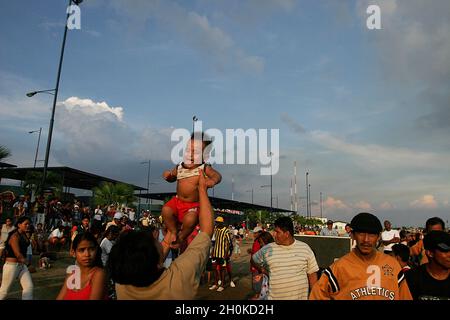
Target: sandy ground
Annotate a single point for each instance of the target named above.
(47, 283)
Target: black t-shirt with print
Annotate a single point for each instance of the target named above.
(424, 287)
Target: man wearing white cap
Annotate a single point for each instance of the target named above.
(116, 220)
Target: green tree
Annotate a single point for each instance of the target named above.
(306, 221)
(4, 153)
(32, 183)
(118, 194)
(261, 216)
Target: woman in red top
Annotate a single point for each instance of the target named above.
(88, 282)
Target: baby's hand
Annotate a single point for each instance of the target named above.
(166, 174)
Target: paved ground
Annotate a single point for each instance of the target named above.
(47, 283)
(240, 267)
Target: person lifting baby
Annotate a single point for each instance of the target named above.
(180, 214)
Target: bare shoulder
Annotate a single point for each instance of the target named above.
(99, 273)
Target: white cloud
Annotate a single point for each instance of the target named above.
(426, 202)
(332, 203)
(93, 132)
(23, 108)
(386, 206)
(382, 156)
(91, 108)
(363, 205)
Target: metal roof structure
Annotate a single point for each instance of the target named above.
(217, 202)
(72, 178)
(7, 165)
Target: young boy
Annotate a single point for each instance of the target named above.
(182, 208)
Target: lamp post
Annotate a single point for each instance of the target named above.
(271, 197)
(276, 197)
(251, 192)
(307, 196)
(268, 186)
(52, 119)
(194, 119)
(148, 177)
(37, 148)
(232, 188)
(321, 204)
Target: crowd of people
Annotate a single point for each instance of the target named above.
(119, 255)
(47, 226)
(120, 258)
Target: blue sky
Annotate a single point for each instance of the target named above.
(366, 112)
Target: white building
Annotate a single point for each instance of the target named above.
(340, 226)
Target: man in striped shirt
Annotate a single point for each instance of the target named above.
(221, 253)
(291, 264)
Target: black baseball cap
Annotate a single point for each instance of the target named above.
(437, 240)
(366, 222)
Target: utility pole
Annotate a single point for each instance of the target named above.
(295, 188)
(321, 204)
(307, 196)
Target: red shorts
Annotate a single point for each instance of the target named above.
(181, 207)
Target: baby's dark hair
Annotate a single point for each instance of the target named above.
(205, 138)
(91, 238)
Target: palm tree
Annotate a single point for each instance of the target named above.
(4, 153)
(118, 194)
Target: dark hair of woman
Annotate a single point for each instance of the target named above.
(21, 220)
(134, 259)
(266, 237)
(87, 236)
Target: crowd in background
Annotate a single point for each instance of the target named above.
(55, 226)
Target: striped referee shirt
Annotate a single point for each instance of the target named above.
(222, 242)
(288, 268)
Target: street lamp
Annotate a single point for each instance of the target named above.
(307, 196)
(268, 186)
(271, 197)
(194, 119)
(52, 119)
(276, 197)
(251, 192)
(149, 163)
(32, 93)
(232, 188)
(321, 204)
(37, 148)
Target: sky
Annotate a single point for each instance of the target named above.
(365, 112)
